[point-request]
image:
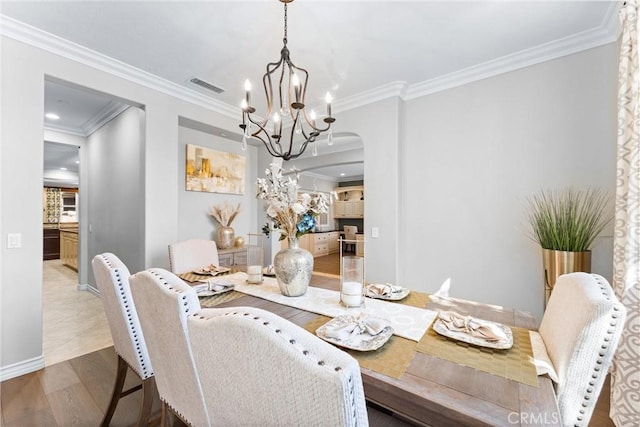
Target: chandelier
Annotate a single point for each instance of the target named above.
(290, 102)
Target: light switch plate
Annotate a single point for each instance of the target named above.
(374, 232)
(14, 240)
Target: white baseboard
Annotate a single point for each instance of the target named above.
(21, 368)
(89, 288)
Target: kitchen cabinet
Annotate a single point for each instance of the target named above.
(69, 248)
(320, 245)
(350, 203)
(50, 242)
(232, 257)
(359, 244)
(349, 209)
(334, 245)
(304, 242)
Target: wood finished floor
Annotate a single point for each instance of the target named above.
(75, 390)
(328, 264)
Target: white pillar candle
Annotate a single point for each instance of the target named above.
(254, 269)
(254, 278)
(352, 288)
(352, 300)
(351, 294)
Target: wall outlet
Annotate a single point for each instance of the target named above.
(14, 240)
(375, 232)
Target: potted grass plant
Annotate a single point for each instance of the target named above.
(565, 222)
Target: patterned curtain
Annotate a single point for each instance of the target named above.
(53, 202)
(625, 377)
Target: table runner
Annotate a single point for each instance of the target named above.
(407, 321)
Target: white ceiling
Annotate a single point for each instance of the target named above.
(351, 48)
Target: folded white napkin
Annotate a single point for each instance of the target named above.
(383, 289)
(211, 285)
(208, 269)
(357, 325)
(269, 269)
(472, 326)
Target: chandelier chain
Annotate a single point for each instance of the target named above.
(285, 24)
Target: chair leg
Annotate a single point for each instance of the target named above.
(148, 390)
(117, 390)
(164, 415)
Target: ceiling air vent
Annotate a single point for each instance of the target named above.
(206, 85)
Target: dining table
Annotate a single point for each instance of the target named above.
(428, 388)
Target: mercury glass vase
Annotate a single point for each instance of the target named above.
(293, 267)
(225, 237)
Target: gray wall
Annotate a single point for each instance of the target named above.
(115, 191)
(194, 220)
(446, 176)
(473, 154)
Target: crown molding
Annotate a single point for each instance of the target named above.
(33, 36)
(104, 116)
(370, 96)
(607, 32)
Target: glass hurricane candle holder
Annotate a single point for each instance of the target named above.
(254, 264)
(352, 281)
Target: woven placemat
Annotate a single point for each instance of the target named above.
(514, 363)
(392, 359)
(212, 301)
(193, 277)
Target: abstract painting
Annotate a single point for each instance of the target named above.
(214, 171)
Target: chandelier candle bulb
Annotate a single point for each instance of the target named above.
(247, 91)
(328, 99)
(296, 87)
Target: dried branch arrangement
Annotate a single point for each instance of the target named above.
(225, 213)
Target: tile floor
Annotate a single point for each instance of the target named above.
(74, 322)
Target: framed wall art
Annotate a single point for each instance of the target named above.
(214, 171)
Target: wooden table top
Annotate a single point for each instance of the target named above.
(437, 392)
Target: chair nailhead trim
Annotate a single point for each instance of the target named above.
(292, 341)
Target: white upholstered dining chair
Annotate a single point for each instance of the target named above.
(164, 302)
(112, 278)
(257, 368)
(191, 254)
(580, 329)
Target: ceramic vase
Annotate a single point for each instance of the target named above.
(293, 267)
(225, 237)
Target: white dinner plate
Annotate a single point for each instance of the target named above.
(503, 344)
(360, 342)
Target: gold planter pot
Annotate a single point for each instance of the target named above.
(557, 263)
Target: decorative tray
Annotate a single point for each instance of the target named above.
(503, 344)
(204, 290)
(360, 342)
(211, 270)
(397, 295)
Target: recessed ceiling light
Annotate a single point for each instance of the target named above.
(52, 116)
(77, 162)
(342, 174)
(63, 169)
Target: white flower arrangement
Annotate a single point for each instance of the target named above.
(292, 213)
